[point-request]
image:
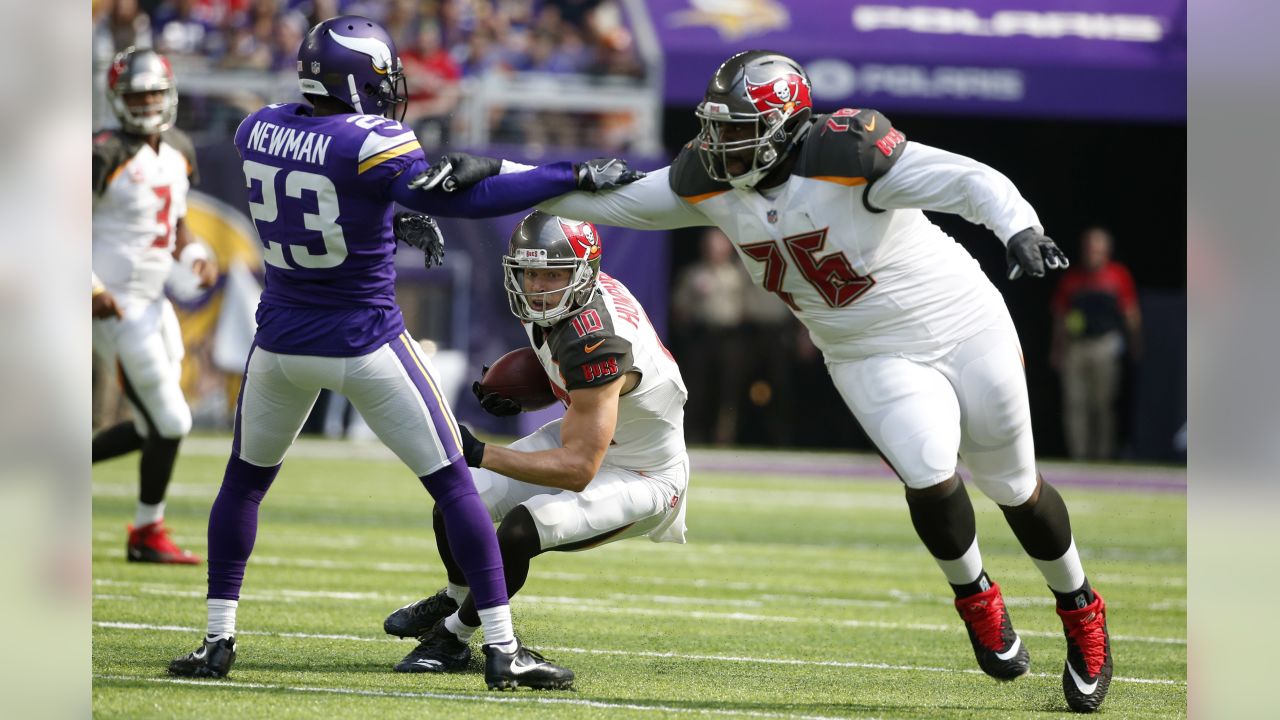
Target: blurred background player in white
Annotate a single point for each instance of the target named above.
(141, 175)
(826, 213)
(613, 467)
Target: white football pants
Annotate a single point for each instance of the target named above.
(394, 388)
(146, 346)
(632, 502)
(969, 403)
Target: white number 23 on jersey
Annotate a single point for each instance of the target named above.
(324, 220)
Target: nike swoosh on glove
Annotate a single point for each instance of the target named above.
(605, 174)
(1030, 253)
(456, 171)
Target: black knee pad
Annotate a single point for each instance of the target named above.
(518, 534)
(943, 518)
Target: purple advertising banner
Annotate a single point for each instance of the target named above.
(1100, 59)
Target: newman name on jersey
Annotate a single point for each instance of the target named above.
(608, 338)
(298, 168)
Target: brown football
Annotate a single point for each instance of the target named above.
(518, 375)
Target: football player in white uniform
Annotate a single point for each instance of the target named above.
(613, 467)
(826, 212)
(141, 174)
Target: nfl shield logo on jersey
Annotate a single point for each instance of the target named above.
(772, 215)
(315, 67)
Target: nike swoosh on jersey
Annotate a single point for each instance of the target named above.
(871, 126)
(1081, 685)
(592, 347)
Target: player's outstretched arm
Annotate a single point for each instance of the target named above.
(646, 204)
(497, 195)
(501, 188)
(927, 178)
(585, 433)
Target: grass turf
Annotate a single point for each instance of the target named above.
(794, 598)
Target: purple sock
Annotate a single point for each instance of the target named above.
(470, 532)
(233, 525)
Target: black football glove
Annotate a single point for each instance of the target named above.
(420, 231)
(604, 174)
(472, 449)
(456, 171)
(493, 403)
(1030, 253)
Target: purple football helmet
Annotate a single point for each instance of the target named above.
(352, 59)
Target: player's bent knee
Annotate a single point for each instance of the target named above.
(173, 423)
(932, 484)
(518, 534)
(1010, 490)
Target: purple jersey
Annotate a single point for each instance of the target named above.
(322, 192)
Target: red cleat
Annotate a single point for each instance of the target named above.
(151, 543)
(996, 645)
(1087, 675)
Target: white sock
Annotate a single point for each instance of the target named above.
(147, 514)
(497, 627)
(454, 624)
(222, 618)
(964, 569)
(1065, 574)
(458, 593)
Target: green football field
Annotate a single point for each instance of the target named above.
(797, 596)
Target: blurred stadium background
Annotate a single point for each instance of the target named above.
(1082, 104)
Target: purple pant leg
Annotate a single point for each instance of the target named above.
(470, 531)
(233, 525)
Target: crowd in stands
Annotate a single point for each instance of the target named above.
(440, 41)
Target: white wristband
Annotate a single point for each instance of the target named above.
(191, 253)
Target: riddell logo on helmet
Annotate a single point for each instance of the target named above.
(789, 92)
(584, 239)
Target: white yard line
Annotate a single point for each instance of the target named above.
(631, 653)
(892, 598)
(513, 699)
(600, 606)
(688, 554)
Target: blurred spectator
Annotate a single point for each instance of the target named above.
(434, 89)
(707, 332)
(251, 36)
(189, 27)
(1095, 311)
(117, 25)
(286, 37)
(443, 44)
(769, 332)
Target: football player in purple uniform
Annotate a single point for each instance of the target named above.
(141, 175)
(323, 178)
(826, 211)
